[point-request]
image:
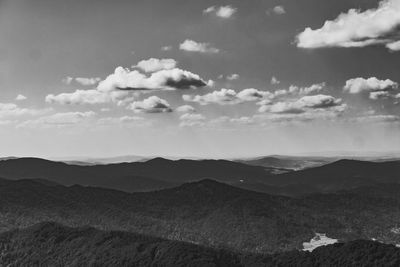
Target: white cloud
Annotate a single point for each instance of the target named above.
(186, 109)
(356, 28)
(227, 96)
(58, 119)
(193, 46)
(153, 104)
(81, 80)
(121, 86)
(155, 64)
(279, 10)
(91, 97)
(376, 88)
(358, 85)
(394, 46)
(12, 110)
(170, 79)
(375, 119)
(190, 119)
(124, 121)
(222, 11)
(87, 81)
(166, 48)
(21, 97)
(378, 95)
(67, 80)
(303, 104)
(274, 80)
(232, 77)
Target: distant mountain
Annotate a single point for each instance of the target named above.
(209, 213)
(287, 162)
(339, 175)
(154, 174)
(51, 244)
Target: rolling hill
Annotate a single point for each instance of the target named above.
(154, 174)
(208, 213)
(51, 244)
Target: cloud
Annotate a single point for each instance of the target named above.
(87, 81)
(302, 105)
(375, 119)
(224, 12)
(190, 120)
(67, 80)
(169, 79)
(227, 96)
(274, 80)
(91, 97)
(232, 77)
(357, 28)
(278, 10)
(120, 86)
(166, 48)
(394, 46)
(12, 110)
(358, 85)
(314, 88)
(155, 64)
(193, 46)
(376, 88)
(58, 119)
(186, 109)
(21, 97)
(153, 104)
(81, 80)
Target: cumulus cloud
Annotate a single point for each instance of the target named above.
(58, 119)
(233, 76)
(193, 46)
(185, 109)
(87, 81)
(155, 64)
(92, 97)
(376, 88)
(274, 80)
(303, 104)
(166, 79)
(21, 97)
(357, 28)
(166, 48)
(153, 104)
(81, 80)
(358, 85)
(190, 119)
(222, 11)
(278, 10)
(119, 87)
(13, 110)
(227, 96)
(124, 121)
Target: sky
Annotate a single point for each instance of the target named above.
(187, 78)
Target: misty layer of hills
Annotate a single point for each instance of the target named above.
(234, 212)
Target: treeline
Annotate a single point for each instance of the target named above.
(51, 244)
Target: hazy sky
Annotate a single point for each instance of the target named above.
(198, 78)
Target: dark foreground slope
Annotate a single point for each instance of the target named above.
(51, 244)
(209, 213)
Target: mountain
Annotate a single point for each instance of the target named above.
(51, 244)
(154, 174)
(339, 175)
(209, 213)
(287, 162)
